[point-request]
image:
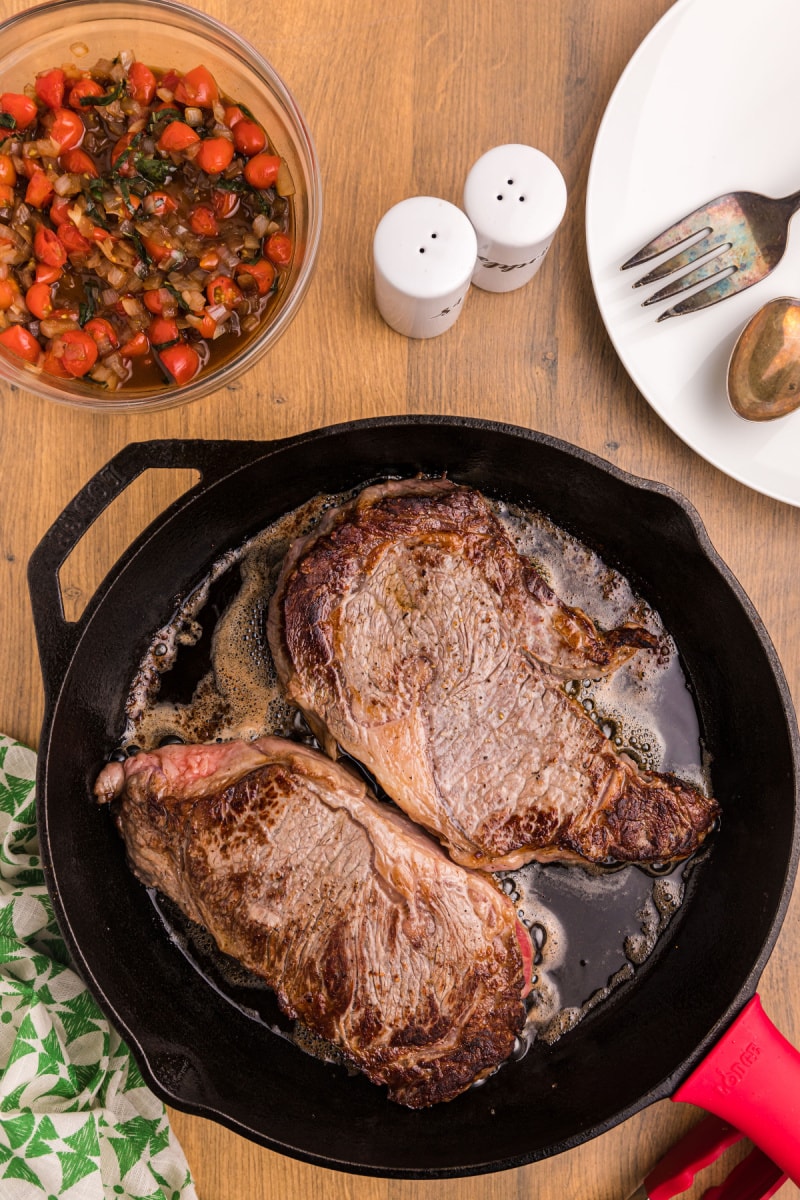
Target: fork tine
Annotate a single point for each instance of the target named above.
(707, 270)
(685, 258)
(729, 285)
(694, 224)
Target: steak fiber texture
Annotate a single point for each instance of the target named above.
(368, 934)
(417, 639)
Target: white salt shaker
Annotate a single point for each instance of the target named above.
(515, 197)
(424, 253)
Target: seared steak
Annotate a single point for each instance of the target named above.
(414, 636)
(414, 967)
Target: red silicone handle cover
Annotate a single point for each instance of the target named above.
(752, 1079)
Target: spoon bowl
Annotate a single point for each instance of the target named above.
(764, 368)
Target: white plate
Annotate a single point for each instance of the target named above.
(707, 105)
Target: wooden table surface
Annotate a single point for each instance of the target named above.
(401, 100)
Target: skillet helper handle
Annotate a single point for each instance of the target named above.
(698, 1148)
(751, 1078)
(57, 637)
(756, 1177)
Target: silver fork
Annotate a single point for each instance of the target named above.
(743, 233)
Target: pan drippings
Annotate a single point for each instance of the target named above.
(208, 675)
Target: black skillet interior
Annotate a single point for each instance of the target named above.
(202, 1055)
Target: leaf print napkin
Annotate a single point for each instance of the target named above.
(77, 1121)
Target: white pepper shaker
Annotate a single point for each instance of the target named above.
(424, 253)
(515, 197)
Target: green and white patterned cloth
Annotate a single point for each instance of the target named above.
(77, 1121)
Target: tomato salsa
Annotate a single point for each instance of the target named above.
(145, 224)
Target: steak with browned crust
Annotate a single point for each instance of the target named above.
(413, 635)
(414, 967)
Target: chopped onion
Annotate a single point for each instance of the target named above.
(260, 225)
(195, 300)
(117, 366)
(21, 218)
(7, 232)
(193, 116)
(67, 185)
(284, 184)
(109, 296)
(116, 277)
(47, 148)
(52, 326)
(132, 306)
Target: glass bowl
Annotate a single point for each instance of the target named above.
(164, 34)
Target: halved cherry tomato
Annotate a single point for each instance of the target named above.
(203, 221)
(9, 292)
(47, 274)
(102, 330)
(137, 347)
(160, 252)
(214, 155)
(170, 81)
(131, 202)
(47, 248)
(39, 190)
(28, 165)
(7, 195)
(59, 210)
(67, 129)
(158, 204)
(278, 249)
(224, 203)
(84, 88)
(8, 172)
(158, 299)
(141, 83)
(198, 88)
(78, 162)
(222, 290)
(205, 324)
(53, 365)
(262, 273)
(177, 136)
(72, 239)
(233, 114)
(209, 261)
(249, 138)
(162, 330)
(182, 362)
(49, 87)
(21, 342)
(39, 300)
(126, 167)
(77, 350)
(20, 107)
(262, 170)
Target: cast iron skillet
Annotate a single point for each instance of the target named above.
(201, 1054)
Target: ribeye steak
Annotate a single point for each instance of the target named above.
(415, 967)
(414, 635)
